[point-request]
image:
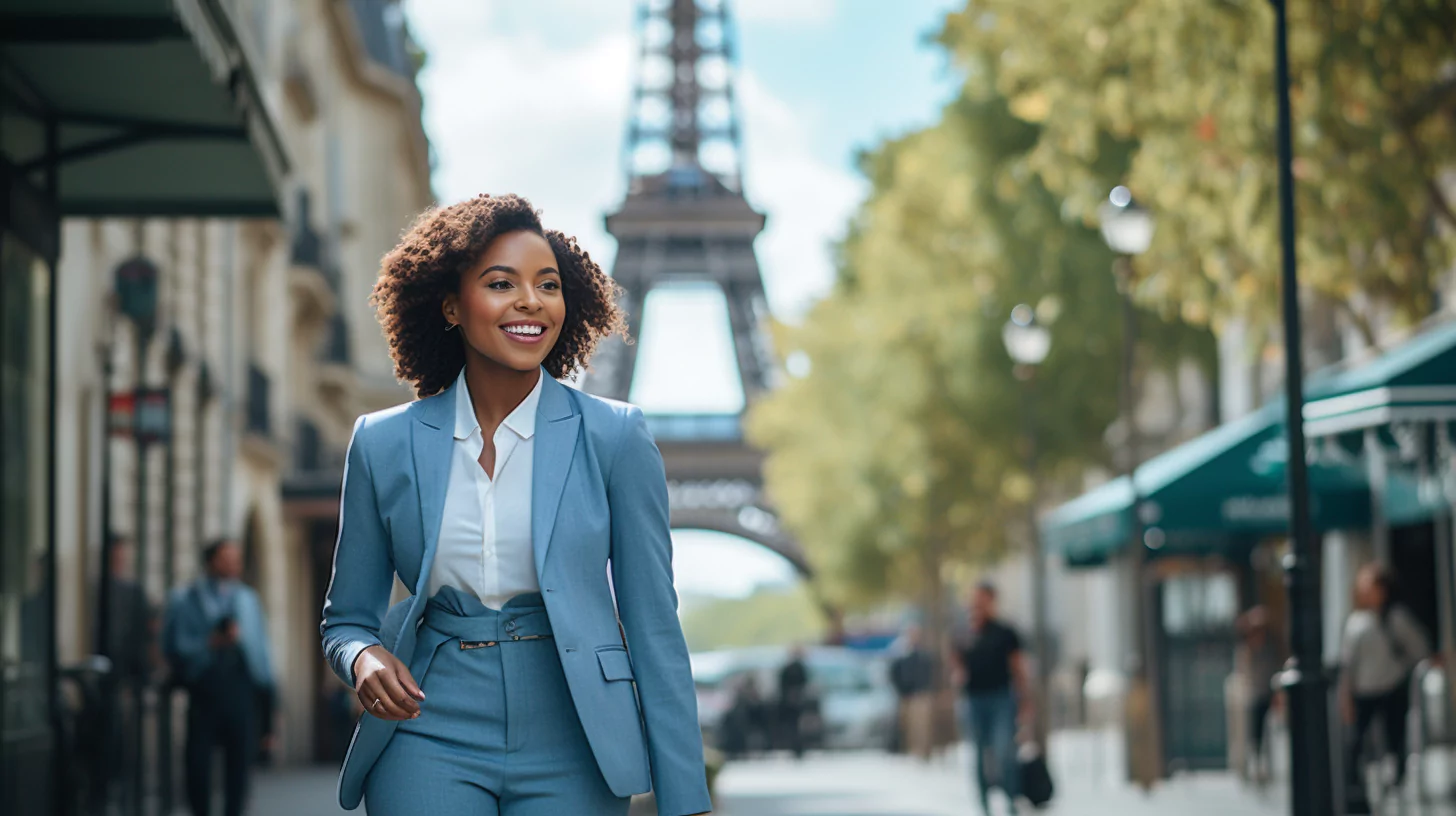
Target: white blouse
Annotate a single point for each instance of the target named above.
(485, 536)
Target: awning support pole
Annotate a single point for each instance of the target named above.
(1377, 473)
(1445, 581)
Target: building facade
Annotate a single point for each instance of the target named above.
(1212, 512)
(227, 413)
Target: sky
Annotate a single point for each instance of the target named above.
(532, 98)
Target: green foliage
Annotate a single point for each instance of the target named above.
(1175, 98)
(901, 451)
(768, 617)
(904, 450)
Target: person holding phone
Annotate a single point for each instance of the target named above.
(216, 641)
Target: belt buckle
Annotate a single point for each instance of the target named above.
(467, 645)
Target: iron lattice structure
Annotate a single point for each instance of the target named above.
(685, 219)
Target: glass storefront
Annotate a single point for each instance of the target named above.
(26, 585)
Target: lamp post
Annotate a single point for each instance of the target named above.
(1028, 343)
(1311, 781)
(1127, 227)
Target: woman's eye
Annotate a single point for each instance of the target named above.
(499, 285)
(551, 285)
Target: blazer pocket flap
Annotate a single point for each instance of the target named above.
(615, 663)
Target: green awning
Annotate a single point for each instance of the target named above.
(1213, 492)
(139, 107)
(1089, 528)
(1415, 381)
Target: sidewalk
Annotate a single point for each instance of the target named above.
(1088, 768)
(879, 785)
(851, 785)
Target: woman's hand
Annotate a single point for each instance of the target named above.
(384, 685)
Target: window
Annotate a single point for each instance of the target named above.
(25, 587)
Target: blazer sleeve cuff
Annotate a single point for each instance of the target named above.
(347, 653)
(683, 803)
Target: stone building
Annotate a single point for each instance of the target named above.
(262, 352)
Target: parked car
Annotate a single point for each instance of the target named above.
(852, 705)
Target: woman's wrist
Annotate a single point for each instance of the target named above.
(354, 670)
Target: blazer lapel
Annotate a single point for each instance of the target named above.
(557, 424)
(431, 438)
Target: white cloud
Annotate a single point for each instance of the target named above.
(795, 11)
(518, 110)
(808, 197)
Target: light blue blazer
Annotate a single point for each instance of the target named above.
(598, 502)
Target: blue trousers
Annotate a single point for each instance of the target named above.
(497, 734)
(992, 726)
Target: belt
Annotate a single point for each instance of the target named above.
(453, 615)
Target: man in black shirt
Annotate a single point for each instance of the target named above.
(993, 672)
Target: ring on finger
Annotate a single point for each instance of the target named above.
(377, 701)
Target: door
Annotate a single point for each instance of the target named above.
(1196, 657)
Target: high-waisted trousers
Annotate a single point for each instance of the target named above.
(497, 734)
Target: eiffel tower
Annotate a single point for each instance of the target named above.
(685, 220)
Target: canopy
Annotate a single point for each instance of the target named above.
(138, 107)
(1414, 381)
(1207, 495)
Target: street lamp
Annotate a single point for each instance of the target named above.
(1028, 343)
(1128, 227)
(1305, 685)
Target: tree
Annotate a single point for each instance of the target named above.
(901, 451)
(1175, 98)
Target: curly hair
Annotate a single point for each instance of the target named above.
(416, 276)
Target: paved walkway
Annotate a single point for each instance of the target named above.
(847, 785)
(878, 785)
(1088, 769)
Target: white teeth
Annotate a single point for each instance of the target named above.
(531, 330)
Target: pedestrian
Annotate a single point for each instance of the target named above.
(1260, 659)
(742, 730)
(992, 671)
(130, 640)
(217, 642)
(913, 676)
(793, 702)
(1382, 644)
(526, 517)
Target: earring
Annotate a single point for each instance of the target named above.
(451, 326)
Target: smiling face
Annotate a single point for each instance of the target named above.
(509, 305)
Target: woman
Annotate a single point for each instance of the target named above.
(504, 685)
(1382, 645)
